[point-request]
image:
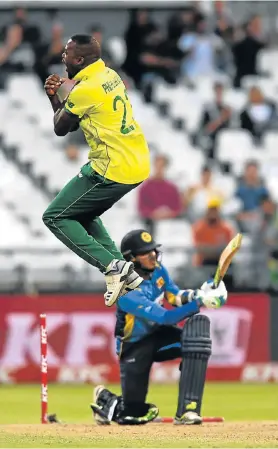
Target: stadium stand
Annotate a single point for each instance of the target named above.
(31, 157)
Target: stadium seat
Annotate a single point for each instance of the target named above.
(174, 260)
(234, 146)
(56, 270)
(272, 185)
(236, 99)
(18, 85)
(231, 207)
(117, 47)
(128, 204)
(4, 107)
(13, 233)
(8, 275)
(267, 62)
(118, 223)
(267, 85)
(185, 166)
(226, 182)
(270, 142)
(164, 92)
(174, 233)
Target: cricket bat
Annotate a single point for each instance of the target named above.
(226, 259)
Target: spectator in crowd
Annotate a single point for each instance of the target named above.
(210, 235)
(269, 223)
(159, 199)
(159, 58)
(139, 28)
(264, 243)
(246, 50)
(182, 21)
(18, 41)
(215, 117)
(72, 152)
(196, 197)
(259, 114)
(270, 231)
(250, 191)
(223, 22)
(108, 55)
(50, 53)
(97, 32)
(202, 48)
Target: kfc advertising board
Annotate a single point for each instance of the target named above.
(81, 346)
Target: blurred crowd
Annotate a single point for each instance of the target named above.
(213, 224)
(193, 44)
(24, 48)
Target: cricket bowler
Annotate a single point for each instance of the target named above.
(119, 161)
(146, 333)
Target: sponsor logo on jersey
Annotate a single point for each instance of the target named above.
(160, 282)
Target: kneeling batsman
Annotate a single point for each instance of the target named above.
(146, 332)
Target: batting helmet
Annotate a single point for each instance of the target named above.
(137, 242)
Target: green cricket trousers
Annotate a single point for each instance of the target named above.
(73, 216)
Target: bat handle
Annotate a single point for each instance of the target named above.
(217, 278)
(216, 283)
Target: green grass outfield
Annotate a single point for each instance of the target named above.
(20, 407)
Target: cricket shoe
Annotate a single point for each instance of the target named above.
(188, 418)
(119, 283)
(133, 281)
(116, 275)
(150, 415)
(104, 405)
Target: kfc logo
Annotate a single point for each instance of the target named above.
(260, 372)
(81, 343)
(44, 393)
(44, 365)
(76, 339)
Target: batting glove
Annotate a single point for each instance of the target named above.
(210, 297)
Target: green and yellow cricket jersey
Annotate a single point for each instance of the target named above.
(118, 148)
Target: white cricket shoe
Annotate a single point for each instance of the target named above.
(120, 279)
(133, 281)
(188, 418)
(96, 408)
(104, 405)
(116, 276)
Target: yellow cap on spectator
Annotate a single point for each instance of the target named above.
(214, 202)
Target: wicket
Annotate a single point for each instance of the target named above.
(44, 394)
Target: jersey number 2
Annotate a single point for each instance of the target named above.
(124, 129)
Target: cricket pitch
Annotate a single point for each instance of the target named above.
(234, 434)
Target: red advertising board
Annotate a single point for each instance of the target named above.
(81, 346)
